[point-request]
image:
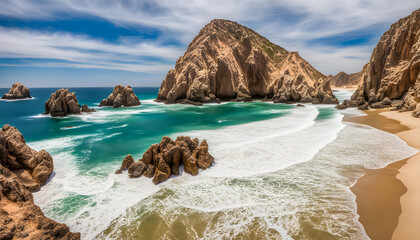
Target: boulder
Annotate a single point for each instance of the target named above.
(86, 109)
(62, 103)
(18, 91)
(162, 160)
(121, 96)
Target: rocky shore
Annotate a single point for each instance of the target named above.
(23, 170)
(230, 62)
(392, 76)
(121, 96)
(163, 159)
(18, 91)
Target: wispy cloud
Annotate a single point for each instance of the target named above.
(83, 52)
(293, 24)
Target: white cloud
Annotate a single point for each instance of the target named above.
(289, 23)
(83, 52)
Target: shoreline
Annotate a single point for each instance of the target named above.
(386, 197)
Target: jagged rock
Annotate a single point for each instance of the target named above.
(343, 79)
(16, 155)
(20, 218)
(364, 106)
(18, 91)
(394, 67)
(227, 61)
(23, 170)
(86, 109)
(162, 160)
(128, 160)
(61, 103)
(121, 96)
(416, 112)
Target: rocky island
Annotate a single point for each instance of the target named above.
(63, 102)
(228, 61)
(18, 91)
(23, 170)
(391, 77)
(163, 159)
(121, 96)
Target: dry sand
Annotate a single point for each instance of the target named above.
(388, 199)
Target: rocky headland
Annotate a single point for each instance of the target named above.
(64, 102)
(23, 170)
(391, 77)
(163, 159)
(18, 91)
(121, 96)
(227, 61)
(343, 79)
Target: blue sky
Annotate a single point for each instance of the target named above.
(70, 43)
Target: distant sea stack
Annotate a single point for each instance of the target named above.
(18, 91)
(393, 70)
(121, 96)
(163, 159)
(343, 79)
(62, 103)
(23, 170)
(228, 61)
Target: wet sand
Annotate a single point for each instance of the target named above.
(380, 193)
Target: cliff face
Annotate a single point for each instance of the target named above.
(393, 69)
(23, 170)
(229, 61)
(343, 79)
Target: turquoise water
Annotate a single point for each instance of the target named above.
(281, 171)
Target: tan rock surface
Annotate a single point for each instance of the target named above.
(231, 62)
(343, 79)
(121, 96)
(18, 91)
(62, 103)
(162, 160)
(394, 67)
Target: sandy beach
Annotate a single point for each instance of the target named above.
(387, 198)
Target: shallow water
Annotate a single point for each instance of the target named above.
(281, 171)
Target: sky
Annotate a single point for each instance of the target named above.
(91, 43)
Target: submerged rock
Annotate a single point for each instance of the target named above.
(18, 91)
(121, 96)
(228, 61)
(162, 160)
(23, 170)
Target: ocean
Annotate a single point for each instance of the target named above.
(281, 171)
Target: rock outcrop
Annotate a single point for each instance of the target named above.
(33, 167)
(227, 61)
(121, 96)
(62, 103)
(23, 170)
(162, 160)
(18, 91)
(394, 67)
(343, 79)
(86, 109)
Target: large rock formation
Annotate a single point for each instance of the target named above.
(343, 79)
(394, 67)
(18, 91)
(20, 218)
(61, 103)
(163, 159)
(231, 62)
(121, 96)
(33, 167)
